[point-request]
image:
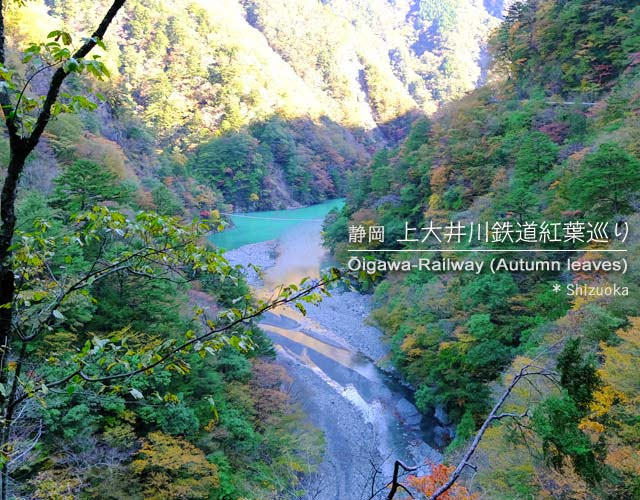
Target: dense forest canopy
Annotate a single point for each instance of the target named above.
(554, 137)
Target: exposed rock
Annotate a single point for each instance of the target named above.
(408, 413)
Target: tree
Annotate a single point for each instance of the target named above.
(520, 201)
(578, 374)
(441, 483)
(24, 131)
(606, 181)
(165, 201)
(557, 419)
(85, 183)
(174, 468)
(148, 247)
(535, 156)
(231, 163)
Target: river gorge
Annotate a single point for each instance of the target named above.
(333, 356)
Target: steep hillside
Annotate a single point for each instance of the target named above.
(553, 140)
(316, 87)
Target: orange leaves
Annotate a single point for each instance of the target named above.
(625, 458)
(428, 485)
(439, 178)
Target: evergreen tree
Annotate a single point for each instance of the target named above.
(578, 375)
(85, 183)
(606, 181)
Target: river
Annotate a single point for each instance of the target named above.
(333, 357)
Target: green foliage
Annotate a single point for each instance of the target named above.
(602, 323)
(520, 201)
(578, 375)
(464, 431)
(442, 13)
(166, 202)
(250, 166)
(606, 181)
(556, 422)
(66, 130)
(233, 164)
(107, 316)
(539, 45)
(84, 183)
(488, 292)
(535, 156)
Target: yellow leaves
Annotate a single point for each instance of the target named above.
(408, 346)
(518, 364)
(439, 178)
(463, 335)
(632, 334)
(55, 484)
(171, 398)
(620, 369)
(580, 301)
(591, 427)
(173, 468)
(107, 153)
(604, 399)
(616, 405)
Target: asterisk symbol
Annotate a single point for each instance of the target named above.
(557, 287)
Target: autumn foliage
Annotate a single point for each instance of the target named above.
(174, 468)
(428, 485)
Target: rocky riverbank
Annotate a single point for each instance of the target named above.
(343, 314)
(262, 255)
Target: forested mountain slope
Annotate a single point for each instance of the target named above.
(554, 138)
(299, 91)
(95, 291)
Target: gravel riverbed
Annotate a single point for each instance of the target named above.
(356, 432)
(342, 315)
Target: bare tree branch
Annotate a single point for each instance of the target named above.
(395, 483)
(493, 415)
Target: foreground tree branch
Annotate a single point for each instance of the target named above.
(20, 147)
(465, 461)
(395, 485)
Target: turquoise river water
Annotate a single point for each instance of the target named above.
(253, 227)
